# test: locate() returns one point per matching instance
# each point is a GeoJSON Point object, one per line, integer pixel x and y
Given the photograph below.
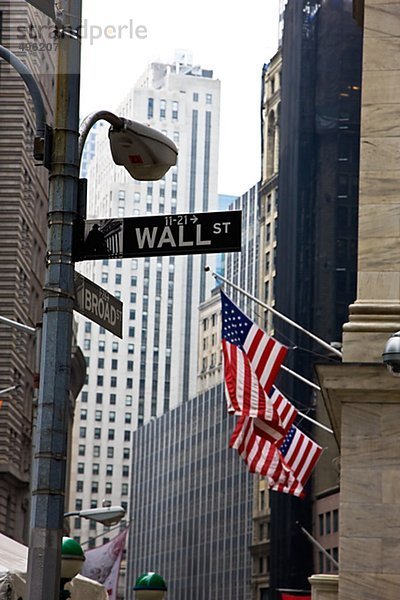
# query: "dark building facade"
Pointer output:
{"type": "Point", "coordinates": [316, 260]}
{"type": "Point", "coordinates": [191, 504]}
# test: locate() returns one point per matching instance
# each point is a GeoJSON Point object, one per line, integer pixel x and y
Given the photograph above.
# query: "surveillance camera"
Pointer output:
{"type": "Point", "coordinates": [391, 354]}
{"type": "Point", "coordinates": [146, 153]}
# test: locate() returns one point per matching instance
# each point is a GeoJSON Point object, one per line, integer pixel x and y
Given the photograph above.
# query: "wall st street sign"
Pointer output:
{"type": "Point", "coordinates": [190, 233]}
{"type": "Point", "coordinates": [97, 304]}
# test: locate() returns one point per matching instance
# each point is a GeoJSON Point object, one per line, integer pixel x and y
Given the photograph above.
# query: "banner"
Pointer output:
{"type": "Point", "coordinates": [102, 564]}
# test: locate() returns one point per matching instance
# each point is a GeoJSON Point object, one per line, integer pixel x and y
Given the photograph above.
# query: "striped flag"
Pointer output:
{"type": "Point", "coordinates": [260, 455]}
{"type": "Point", "coordinates": [286, 414]}
{"type": "Point", "coordinates": [244, 394]}
{"type": "Point", "coordinates": [264, 353]}
{"type": "Point", "coordinates": [300, 454]}
{"type": "Point", "coordinates": [287, 467]}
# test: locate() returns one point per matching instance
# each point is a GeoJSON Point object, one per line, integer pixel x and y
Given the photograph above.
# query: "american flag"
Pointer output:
{"type": "Point", "coordinates": [287, 467]}
{"type": "Point", "coordinates": [260, 455]}
{"type": "Point", "coordinates": [285, 413]}
{"type": "Point", "coordinates": [265, 354]}
{"type": "Point", "coordinates": [244, 394]}
{"type": "Point", "coordinates": [300, 455]}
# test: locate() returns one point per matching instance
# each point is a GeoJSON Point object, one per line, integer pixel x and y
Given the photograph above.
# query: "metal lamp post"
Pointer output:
{"type": "Point", "coordinates": [72, 559]}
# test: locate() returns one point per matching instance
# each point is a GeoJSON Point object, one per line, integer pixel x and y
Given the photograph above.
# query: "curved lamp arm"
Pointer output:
{"type": "Point", "coordinates": [90, 120]}
{"type": "Point", "coordinates": [33, 87]}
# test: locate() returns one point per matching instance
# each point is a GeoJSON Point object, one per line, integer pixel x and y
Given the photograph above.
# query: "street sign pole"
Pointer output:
{"type": "Point", "coordinates": [49, 462]}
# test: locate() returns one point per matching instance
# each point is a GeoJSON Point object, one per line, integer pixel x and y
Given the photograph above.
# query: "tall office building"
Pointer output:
{"type": "Point", "coordinates": [153, 369]}
{"type": "Point", "coordinates": [23, 229]}
{"type": "Point", "coordinates": [316, 253]}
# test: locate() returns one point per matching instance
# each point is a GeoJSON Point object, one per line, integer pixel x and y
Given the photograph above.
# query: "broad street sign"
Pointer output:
{"type": "Point", "coordinates": [98, 305]}
{"type": "Point", "coordinates": [160, 235]}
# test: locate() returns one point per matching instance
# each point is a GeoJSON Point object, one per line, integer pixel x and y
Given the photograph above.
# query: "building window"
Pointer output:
{"type": "Point", "coordinates": [110, 452]}
{"type": "Point", "coordinates": [96, 451]}
{"type": "Point", "coordinates": [115, 346]}
{"type": "Point", "coordinates": [99, 398]}
{"type": "Point", "coordinates": [111, 434]}
{"type": "Point", "coordinates": [163, 107]}
{"type": "Point", "coordinates": [88, 327]}
{"type": "Point", "coordinates": [128, 400]}
{"type": "Point", "coordinates": [131, 348]}
{"type": "Point", "coordinates": [104, 278]}
{"type": "Point", "coordinates": [102, 346]}
{"type": "Point", "coordinates": [195, 97]}
{"type": "Point", "coordinates": [131, 332]}
{"type": "Point", "coordinates": [328, 523]}
{"type": "Point", "coordinates": [78, 504]}
{"type": "Point", "coordinates": [114, 364]}
{"type": "Point", "coordinates": [113, 398]}
{"type": "Point", "coordinates": [81, 468]}
{"type": "Point", "coordinates": [108, 487]}
{"type": "Point", "coordinates": [129, 382]}
{"type": "Point", "coordinates": [95, 468]}
{"type": "Point", "coordinates": [127, 436]}
{"type": "Point", "coordinates": [126, 453]}
{"type": "Point", "coordinates": [125, 471]}
{"type": "Point", "coordinates": [100, 363]}
{"type": "Point", "coordinates": [79, 486]}
{"type": "Point", "coordinates": [335, 520]}
{"type": "Point", "coordinates": [95, 487]}
{"type": "Point", "coordinates": [118, 276]}
{"type": "Point", "coordinates": [86, 344]}
{"type": "Point", "coordinates": [83, 414]}
{"type": "Point", "coordinates": [124, 489]}
{"type": "Point", "coordinates": [84, 397]}
{"type": "Point", "coordinates": [133, 280]}
{"type": "Point", "coordinates": [133, 297]}
{"type": "Point", "coordinates": [132, 314]}
{"type": "Point", "coordinates": [81, 450]}
{"type": "Point", "coordinates": [97, 433]}
{"type": "Point", "coordinates": [100, 380]}
{"type": "Point", "coordinates": [82, 432]}
{"type": "Point", "coordinates": [129, 365]}
{"type": "Point", "coordinates": [113, 382]}
{"type": "Point", "coordinates": [208, 98]}
{"type": "Point", "coordinates": [109, 470]}
{"type": "Point", "coordinates": [175, 106]}
{"type": "Point", "coordinates": [128, 418]}
{"type": "Point", "coordinates": [150, 108]}
{"type": "Point", "coordinates": [111, 416]}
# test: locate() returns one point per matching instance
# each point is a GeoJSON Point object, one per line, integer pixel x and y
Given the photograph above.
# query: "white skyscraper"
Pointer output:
{"type": "Point", "coordinates": [154, 367]}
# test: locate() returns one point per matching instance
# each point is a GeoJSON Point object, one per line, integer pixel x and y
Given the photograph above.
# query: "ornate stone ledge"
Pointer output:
{"type": "Point", "coordinates": [324, 587]}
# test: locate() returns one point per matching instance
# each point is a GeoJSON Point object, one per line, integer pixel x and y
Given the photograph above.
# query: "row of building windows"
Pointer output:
{"type": "Point", "coordinates": [113, 381]}
{"type": "Point", "coordinates": [328, 522]}
{"type": "Point", "coordinates": [97, 451]}
{"type": "Point", "coordinates": [109, 468]}
{"type": "Point", "coordinates": [108, 488]}
{"type": "Point", "coordinates": [112, 398]}
{"type": "Point", "coordinates": [174, 106]}
{"type": "Point", "coordinates": [110, 434]}
{"type": "Point", "coordinates": [210, 321]}
{"type": "Point", "coordinates": [98, 416]}
{"type": "Point", "coordinates": [325, 564]}
{"type": "Point", "coordinates": [101, 346]}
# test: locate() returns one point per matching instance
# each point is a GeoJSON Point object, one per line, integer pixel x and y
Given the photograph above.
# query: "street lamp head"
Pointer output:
{"type": "Point", "coordinates": [108, 515]}
{"type": "Point", "coordinates": [72, 558]}
{"type": "Point", "coordinates": [146, 153]}
{"type": "Point", "coordinates": [391, 354]}
{"type": "Point", "coordinates": [150, 586]}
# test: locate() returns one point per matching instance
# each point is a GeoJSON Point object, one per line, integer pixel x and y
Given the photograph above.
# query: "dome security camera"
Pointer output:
{"type": "Point", "coordinates": [391, 354]}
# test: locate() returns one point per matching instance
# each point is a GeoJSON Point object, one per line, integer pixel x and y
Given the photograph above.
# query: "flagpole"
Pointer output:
{"type": "Point", "coordinates": [315, 422]}
{"type": "Point", "coordinates": [307, 381]}
{"type": "Point", "coordinates": [276, 313]}
{"type": "Point", "coordinates": [318, 545]}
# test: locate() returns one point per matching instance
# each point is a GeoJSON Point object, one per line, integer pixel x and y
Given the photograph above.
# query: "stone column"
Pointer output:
{"type": "Point", "coordinates": [324, 587]}
{"type": "Point", "coordinates": [363, 399]}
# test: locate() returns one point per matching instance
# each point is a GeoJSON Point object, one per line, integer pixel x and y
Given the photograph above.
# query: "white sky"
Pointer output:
{"type": "Point", "coordinates": [233, 38]}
